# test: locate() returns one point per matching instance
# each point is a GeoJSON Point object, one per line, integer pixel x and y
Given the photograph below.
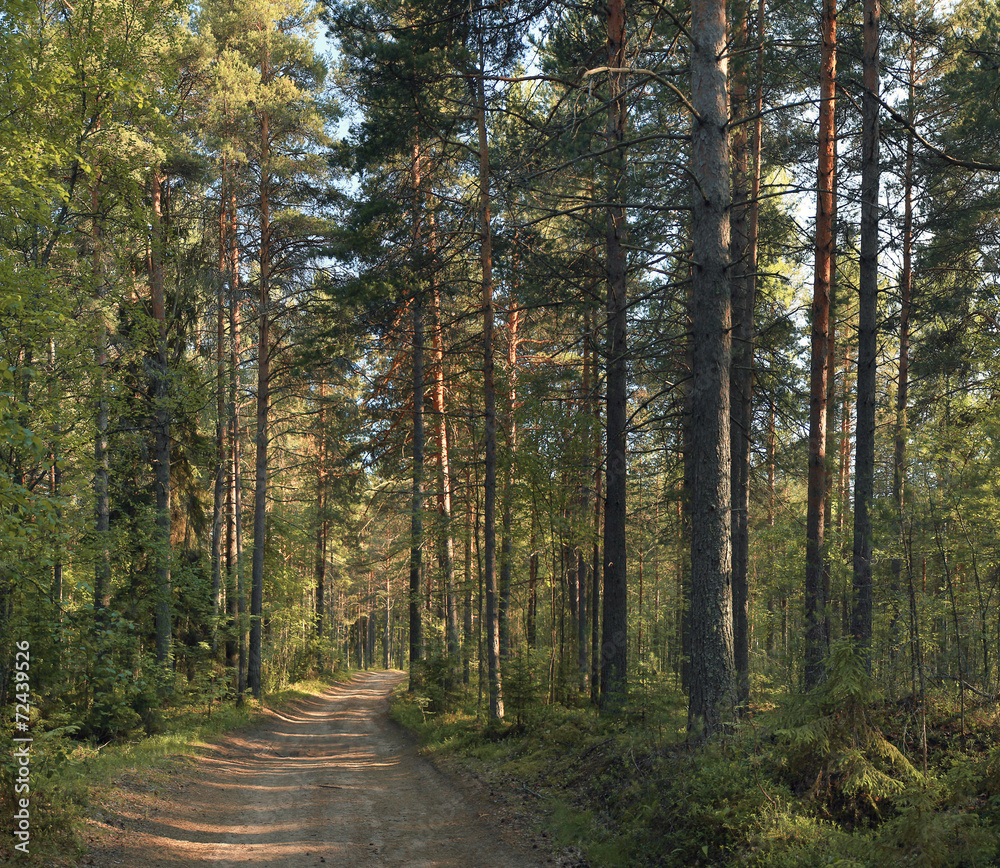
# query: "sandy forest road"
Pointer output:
{"type": "Point", "coordinates": [331, 781]}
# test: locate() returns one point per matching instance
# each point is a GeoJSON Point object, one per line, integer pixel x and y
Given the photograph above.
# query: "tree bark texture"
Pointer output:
{"type": "Point", "coordinates": [864, 456]}
{"type": "Point", "coordinates": [254, 659]}
{"type": "Point", "coordinates": [161, 428]}
{"type": "Point", "coordinates": [711, 696]}
{"type": "Point", "coordinates": [417, 498]}
{"type": "Point", "coordinates": [743, 247]}
{"type": "Point", "coordinates": [815, 601]}
{"type": "Point", "coordinates": [614, 645]}
{"type": "Point", "coordinates": [494, 677]}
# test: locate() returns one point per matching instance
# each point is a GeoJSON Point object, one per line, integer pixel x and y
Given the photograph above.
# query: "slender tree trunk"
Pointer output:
{"type": "Point", "coordinates": [490, 401]}
{"type": "Point", "coordinates": [322, 521]}
{"type": "Point", "coordinates": [614, 647]}
{"type": "Point", "coordinates": [864, 456]}
{"type": "Point", "coordinates": [583, 566]}
{"type": "Point", "coordinates": [161, 430]}
{"type": "Point", "coordinates": [596, 573]}
{"type": "Point", "coordinates": [254, 660]}
{"type": "Point", "coordinates": [220, 493]}
{"type": "Point", "coordinates": [815, 602]}
{"type": "Point", "coordinates": [238, 609]}
{"type": "Point", "coordinates": [510, 435]}
{"type": "Point", "coordinates": [743, 247]}
{"type": "Point", "coordinates": [417, 500]}
{"type": "Point", "coordinates": [906, 296]}
{"type": "Point", "coordinates": [444, 482]}
{"type": "Point", "coordinates": [467, 634]}
{"type": "Point", "coordinates": [712, 693]}
{"type": "Point", "coordinates": [102, 504]}
{"type": "Point", "coordinates": [55, 492]}
{"type": "Point", "coordinates": [532, 613]}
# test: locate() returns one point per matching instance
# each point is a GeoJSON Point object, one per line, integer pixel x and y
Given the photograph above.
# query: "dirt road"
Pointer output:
{"type": "Point", "coordinates": [330, 782]}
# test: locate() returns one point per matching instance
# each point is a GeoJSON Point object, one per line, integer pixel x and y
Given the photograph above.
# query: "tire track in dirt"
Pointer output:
{"type": "Point", "coordinates": [328, 781]}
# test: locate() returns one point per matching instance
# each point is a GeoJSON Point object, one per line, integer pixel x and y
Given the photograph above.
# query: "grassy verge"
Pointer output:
{"type": "Point", "coordinates": [71, 780]}
{"type": "Point", "coordinates": [808, 781]}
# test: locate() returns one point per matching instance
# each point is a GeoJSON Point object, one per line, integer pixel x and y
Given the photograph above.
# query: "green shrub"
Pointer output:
{"type": "Point", "coordinates": [835, 753]}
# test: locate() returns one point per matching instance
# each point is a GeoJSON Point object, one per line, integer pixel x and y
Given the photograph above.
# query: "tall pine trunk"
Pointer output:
{"type": "Point", "coordinates": [614, 646]}
{"type": "Point", "coordinates": [102, 504]}
{"type": "Point", "coordinates": [510, 435]}
{"type": "Point", "coordinates": [815, 601]}
{"type": "Point", "coordinates": [254, 659]}
{"type": "Point", "coordinates": [743, 280]}
{"type": "Point", "coordinates": [161, 430]}
{"type": "Point", "coordinates": [322, 521]}
{"type": "Point", "coordinates": [417, 490]}
{"type": "Point", "coordinates": [494, 677]}
{"type": "Point", "coordinates": [712, 685]}
{"type": "Point", "coordinates": [864, 456]}
{"type": "Point", "coordinates": [220, 494]}
{"type": "Point", "coordinates": [234, 534]}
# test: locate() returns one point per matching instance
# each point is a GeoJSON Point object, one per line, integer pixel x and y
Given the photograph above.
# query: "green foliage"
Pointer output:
{"type": "Point", "coordinates": [834, 752]}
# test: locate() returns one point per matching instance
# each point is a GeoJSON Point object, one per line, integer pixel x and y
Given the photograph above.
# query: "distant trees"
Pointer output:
{"type": "Point", "coordinates": [527, 350]}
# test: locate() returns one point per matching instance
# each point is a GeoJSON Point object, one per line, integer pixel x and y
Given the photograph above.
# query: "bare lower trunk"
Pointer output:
{"type": "Point", "coordinates": [815, 601]}
{"type": "Point", "coordinates": [417, 489]}
{"type": "Point", "coordinates": [864, 457]}
{"type": "Point", "coordinates": [614, 647]}
{"type": "Point", "coordinates": [255, 654]}
{"type": "Point", "coordinates": [494, 677]}
{"type": "Point", "coordinates": [510, 434]}
{"type": "Point", "coordinates": [712, 680]}
{"type": "Point", "coordinates": [445, 484]}
{"type": "Point", "coordinates": [161, 433]}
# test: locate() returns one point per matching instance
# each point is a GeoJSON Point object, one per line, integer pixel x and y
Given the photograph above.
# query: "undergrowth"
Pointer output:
{"type": "Point", "coordinates": [812, 781]}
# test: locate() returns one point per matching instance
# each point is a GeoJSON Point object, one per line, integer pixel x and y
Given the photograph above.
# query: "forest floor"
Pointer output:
{"type": "Point", "coordinates": [324, 780]}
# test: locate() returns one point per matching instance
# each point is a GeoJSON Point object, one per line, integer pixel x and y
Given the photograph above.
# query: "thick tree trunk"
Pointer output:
{"type": "Point", "coordinates": [815, 601]}
{"type": "Point", "coordinates": [864, 457]}
{"type": "Point", "coordinates": [712, 685]}
{"type": "Point", "coordinates": [614, 647]}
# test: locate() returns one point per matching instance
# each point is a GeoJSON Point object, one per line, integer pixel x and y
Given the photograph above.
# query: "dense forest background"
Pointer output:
{"type": "Point", "coordinates": [561, 354]}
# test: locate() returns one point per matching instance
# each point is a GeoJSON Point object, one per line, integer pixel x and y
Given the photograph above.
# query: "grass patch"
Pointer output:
{"type": "Point", "coordinates": [805, 782]}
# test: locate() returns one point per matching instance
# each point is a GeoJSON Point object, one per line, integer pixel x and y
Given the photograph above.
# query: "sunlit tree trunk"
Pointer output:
{"type": "Point", "coordinates": [444, 482]}
{"type": "Point", "coordinates": [712, 697]}
{"type": "Point", "coordinates": [815, 602]}
{"type": "Point", "coordinates": [417, 493]}
{"type": "Point", "coordinates": [490, 400]}
{"type": "Point", "coordinates": [254, 660]}
{"type": "Point", "coordinates": [510, 435]}
{"type": "Point", "coordinates": [864, 456]}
